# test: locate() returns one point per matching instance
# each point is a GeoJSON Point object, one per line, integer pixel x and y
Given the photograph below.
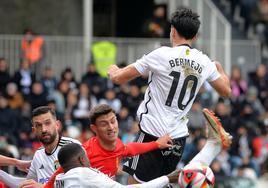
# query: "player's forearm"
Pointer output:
{"type": "Point", "coordinates": [135, 148]}
{"type": "Point", "coordinates": [9, 180]}
{"type": "Point", "coordinates": [4, 161]}
{"type": "Point", "coordinates": [122, 75]}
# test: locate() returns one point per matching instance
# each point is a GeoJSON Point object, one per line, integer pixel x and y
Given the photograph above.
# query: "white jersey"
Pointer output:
{"type": "Point", "coordinates": [175, 77]}
{"type": "Point", "coordinates": [84, 177]}
{"type": "Point", "coordinates": [43, 165]}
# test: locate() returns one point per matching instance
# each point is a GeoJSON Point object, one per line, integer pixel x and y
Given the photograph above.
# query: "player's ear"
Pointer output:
{"type": "Point", "coordinates": [82, 160]}
{"type": "Point", "coordinates": [172, 32]}
{"type": "Point", "coordinates": [33, 129]}
{"type": "Point", "coordinates": [93, 127]}
{"type": "Point", "coordinates": [58, 125]}
{"type": "Point", "coordinates": [195, 38]}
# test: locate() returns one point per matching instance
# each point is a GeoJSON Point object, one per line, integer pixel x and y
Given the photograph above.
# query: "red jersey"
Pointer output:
{"type": "Point", "coordinates": [107, 161]}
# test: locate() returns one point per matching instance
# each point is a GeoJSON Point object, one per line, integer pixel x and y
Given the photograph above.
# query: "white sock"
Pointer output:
{"type": "Point", "coordinates": [208, 153]}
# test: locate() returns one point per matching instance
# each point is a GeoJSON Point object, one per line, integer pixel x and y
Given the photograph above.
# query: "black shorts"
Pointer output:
{"type": "Point", "coordinates": [156, 163]}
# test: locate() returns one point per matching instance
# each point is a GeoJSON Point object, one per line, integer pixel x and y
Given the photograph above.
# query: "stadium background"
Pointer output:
{"type": "Point", "coordinates": [230, 32]}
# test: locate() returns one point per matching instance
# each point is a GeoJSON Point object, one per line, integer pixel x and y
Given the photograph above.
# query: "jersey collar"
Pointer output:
{"type": "Point", "coordinates": [185, 45]}
{"type": "Point", "coordinates": [54, 148]}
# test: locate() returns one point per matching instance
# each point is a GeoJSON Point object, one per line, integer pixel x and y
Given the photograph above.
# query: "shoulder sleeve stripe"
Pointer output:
{"type": "Point", "coordinates": [40, 148]}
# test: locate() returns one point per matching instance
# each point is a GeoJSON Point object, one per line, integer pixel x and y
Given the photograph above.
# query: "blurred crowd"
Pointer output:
{"type": "Point", "coordinates": [252, 17]}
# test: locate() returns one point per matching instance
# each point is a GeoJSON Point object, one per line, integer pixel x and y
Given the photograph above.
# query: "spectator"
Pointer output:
{"type": "Point", "coordinates": [95, 82]}
{"type": "Point", "coordinates": [14, 97]}
{"type": "Point", "coordinates": [125, 121]}
{"type": "Point", "coordinates": [38, 97]}
{"type": "Point", "coordinates": [263, 180]}
{"type": "Point", "coordinates": [260, 147]}
{"type": "Point", "coordinates": [85, 102]}
{"type": "Point", "coordinates": [4, 75]}
{"type": "Point", "coordinates": [196, 117]}
{"type": "Point", "coordinates": [49, 80]}
{"type": "Point", "coordinates": [25, 124]}
{"type": "Point", "coordinates": [259, 17]}
{"type": "Point", "coordinates": [104, 54]}
{"type": "Point", "coordinates": [217, 169]}
{"type": "Point", "coordinates": [32, 49]}
{"type": "Point", "coordinates": [133, 99]}
{"type": "Point", "coordinates": [206, 97]}
{"type": "Point", "coordinates": [24, 78]}
{"type": "Point", "coordinates": [246, 8]}
{"type": "Point", "coordinates": [111, 100]}
{"type": "Point", "coordinates": [68, 76]}
{"type": "Point", "coordinates": [157, 25]}
{"type": "Point", "coordinates": [8, 120]}
{"type": "Point", "coordinates": [222, 110]}
{"type": "Point", "coordinates": [238, 84]}
{"type": "Point", "coordinates": [259, 79]}
{"type": "Point", "coordinates": [70, 104]}
{"type": "Point", "coordinates": [241, 150]}
{"type": "Point", "coordinates": [58, 95]}
{"type": "Point", "coordinates": [63, 88]}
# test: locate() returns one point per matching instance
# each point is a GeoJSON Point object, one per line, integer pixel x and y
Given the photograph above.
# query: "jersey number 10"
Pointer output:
{"type": "Point", "coordinates": [174, 86]}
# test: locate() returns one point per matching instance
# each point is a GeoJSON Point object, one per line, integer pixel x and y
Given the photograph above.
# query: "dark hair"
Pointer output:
{"type": "Point", "coordinates": [43, 110]}
{"type": "Point", "coordinates": [98, 111]}
{"type": "Point", "coordinates": [68, 152]}
{"type": "Point", "coordinates": [186, 22]}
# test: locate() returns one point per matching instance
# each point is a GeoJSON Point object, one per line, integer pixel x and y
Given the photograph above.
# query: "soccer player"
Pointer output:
{"type": "Point", "coordinates": [175, 76]}
{"type": "Point", "coordinates": [105, 150]}
{"type": "Point", "coordinates": [78, 172]}
{"type": "Point", "coordinates": [20, 164]}
{"type": "Point", "coordinates": [45, 160]}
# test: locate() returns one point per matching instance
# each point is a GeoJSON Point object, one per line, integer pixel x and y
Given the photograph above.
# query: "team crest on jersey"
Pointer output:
{"type": "Point", "coordinates": [56, 164]}
{"type": "Point", "coordinates": [187, 52]}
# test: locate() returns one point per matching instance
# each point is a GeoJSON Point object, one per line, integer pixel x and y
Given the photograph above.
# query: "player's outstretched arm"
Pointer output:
{"type": "Point", "coordinates": [30, 184]}
{"type": "Point", "coordinates": [23, 165]}
{"type": "Point", "coordinates": [122, 75]}
{"type": "Point", "coordinates": [10, 180]}
{"type": "Point", "coordinates": [20, 164]}
{"type": "Point", "coordinates": [135, 148]}
{"type": "Point", "coordinates": [222, 84]}
{"type": "Point", "coordinates": [164, 142]}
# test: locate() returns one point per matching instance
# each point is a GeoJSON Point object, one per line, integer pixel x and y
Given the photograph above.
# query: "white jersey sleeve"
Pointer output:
{"type": "Point", "coordinates": [175, 76]}
{"type": "Point", "coordinates": [83, 177]}
{"type": "Point", "coordinates": [43, 164]}
{"type": "Point", "coordinates": [214, 74]}
{"type": "Point", "coordinates": [9, 180]}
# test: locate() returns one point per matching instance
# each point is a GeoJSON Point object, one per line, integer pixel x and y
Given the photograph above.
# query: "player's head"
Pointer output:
{"type": "Point", "coordinates": [104, 123]}
{"type": "Point", "coordinates": [45, 124]}
{"type": "Point", "coordinates": [185, 22]}
{"type": "Point", "coordinates": [72, 155]}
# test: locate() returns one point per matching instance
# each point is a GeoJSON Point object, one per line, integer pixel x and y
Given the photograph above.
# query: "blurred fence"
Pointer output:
{"type": "Point", "coordinates": [61, 52]}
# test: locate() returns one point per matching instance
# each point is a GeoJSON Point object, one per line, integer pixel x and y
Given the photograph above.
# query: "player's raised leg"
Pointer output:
{"type": "Point", "coordinates": [218, 139]}
{"type": "Point", "coordinates": [215, 129]}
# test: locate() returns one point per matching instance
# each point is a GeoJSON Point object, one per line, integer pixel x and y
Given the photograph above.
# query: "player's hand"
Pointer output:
{"type": "Point", "coordinates": [164, 142]}
{"type": "Point", "coordinates": [30, 184]}
{"type": "Point", "coordinates": [174, 176]}
{"type": "Point", "coordinates": [23, 165]}
{"type": "Point", "coordinates": [219, 66]}
{"type": "Point", "coordinates": [112, 69]}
